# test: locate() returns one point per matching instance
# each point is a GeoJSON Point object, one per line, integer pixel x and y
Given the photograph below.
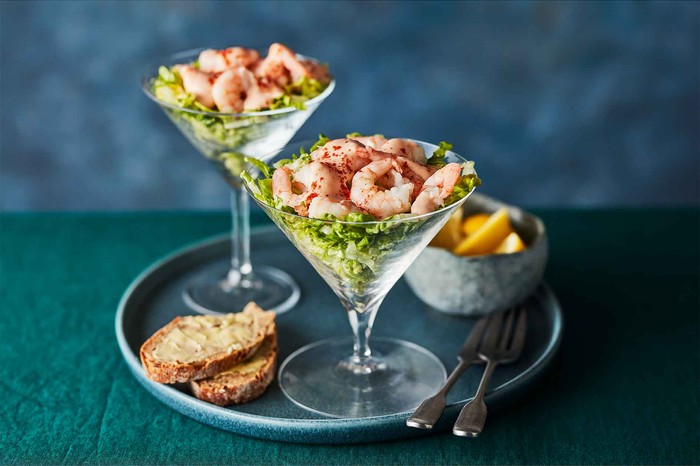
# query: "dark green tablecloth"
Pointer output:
{"type": "Point", "coordinates": [624, 389]}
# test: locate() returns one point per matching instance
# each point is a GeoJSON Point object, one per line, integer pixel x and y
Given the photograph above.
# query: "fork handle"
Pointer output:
{"type": "Point", "coordinates": [430, 410]}
{"type": "Point", "coordinates": [472, 418]}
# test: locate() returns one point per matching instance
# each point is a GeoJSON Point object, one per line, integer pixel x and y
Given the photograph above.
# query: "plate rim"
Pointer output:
{"type": "Point", "coordinates": [165, 393]}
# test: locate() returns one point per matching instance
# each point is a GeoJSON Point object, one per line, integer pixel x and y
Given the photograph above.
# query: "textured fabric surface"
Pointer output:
{"type": "Point", "coordinates": [623, 390]}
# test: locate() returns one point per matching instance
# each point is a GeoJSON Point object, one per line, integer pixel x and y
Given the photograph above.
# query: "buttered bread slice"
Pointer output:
{"type": "Point", "coordinates": [197, 347]}
{"type": "Point", "coordinates": [242, 383]}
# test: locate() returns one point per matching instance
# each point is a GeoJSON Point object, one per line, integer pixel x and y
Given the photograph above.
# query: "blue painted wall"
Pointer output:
{"type": "Point", "coordinates": [559, 103]}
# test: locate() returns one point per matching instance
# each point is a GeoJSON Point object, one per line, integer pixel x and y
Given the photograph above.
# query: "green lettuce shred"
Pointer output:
{"type": "Point", "coordinates": [438, 157]}
{"type": "Point", "coordinates": [303, 157]}
{"type": "Point", "coordinates": [297, 93]}
{"type": "Point", "coordinates": [264, 168]}
{"type": "Point", "coordinates": [464, 186]}
{"type": "Point", "coordinates": [360, 135]}
{"type": "Point", "coordinates": [322, 140]}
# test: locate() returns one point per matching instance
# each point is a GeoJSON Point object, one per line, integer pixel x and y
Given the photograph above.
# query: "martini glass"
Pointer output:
{"type": "Point", "coordinates": [226, 139]}
{"type": "Point", "coordinates": [344, 378]}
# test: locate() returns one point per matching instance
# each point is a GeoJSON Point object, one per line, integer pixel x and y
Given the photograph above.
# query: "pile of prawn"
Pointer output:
{"type": "Point", "coordinates": [368, 175]}
{"type": "Point", "coordinates": [237, 79]}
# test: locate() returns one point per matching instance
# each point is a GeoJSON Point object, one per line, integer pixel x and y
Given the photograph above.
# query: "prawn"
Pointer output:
{"type": "Point", "coordinates": [392, 179]}
{"type": "Point", "coordinates": [415, 172]}
{"type": "Point", "coordinates": [282, 184]}
{"type": "Point", "coordinates": [330, 205]}
{"type": "Point", "coordinates": [197, 83]}
{"type": "Point", "coordinates": [297, 189]}
{"type": "Point", "coordinates": [381, 203]}
{"type": "Point", "coordinates": [288, 190]}
{"type": "Point", "coordinates": [320, 179]}
{"type": "Point", "coordinates": [261, 95]}
{"type": "Point", "coordinates": [281, 66]}
{"type": "Point", "coordinates": [216, 61]}
{"type": "Point", "coordinates": [230, 89]}
{"type": "Point", "coordinates": [346, 156]}
{"type": "Point", "coordinates": [317, 71]}
{"type": "Point", "coordinates": [405, 148]}
{"type": "Point", "coordinates": [436, 189]}
{"type": "Point", "coordinates": [375, 142]}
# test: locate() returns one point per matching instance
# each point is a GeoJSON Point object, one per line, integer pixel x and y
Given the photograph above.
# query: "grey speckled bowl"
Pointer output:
{"type": "Point", "coordinates": [479, 285]}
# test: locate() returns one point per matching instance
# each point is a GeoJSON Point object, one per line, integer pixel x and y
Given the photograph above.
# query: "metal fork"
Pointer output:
{"type": "Point", "coordinates": [428, 413]}
{"type": "Point", "coordinates": [496, 348]}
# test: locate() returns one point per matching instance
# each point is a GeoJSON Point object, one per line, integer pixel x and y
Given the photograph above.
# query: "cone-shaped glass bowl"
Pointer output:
{"type": "Point", "coordinates": [360, 261]}
{"type": "Point", "coordinates": [225, 139]}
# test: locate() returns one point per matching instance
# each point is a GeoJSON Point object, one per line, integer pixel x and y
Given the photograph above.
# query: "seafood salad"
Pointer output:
{"type": "Point", "coordinates": [237, 79]}
{"type": "Point", "coordinates": [372, 176]}
{"type": "Point", "coordinates": [208, 93]}
{"type": "Point", "coordinates": [356, 194]}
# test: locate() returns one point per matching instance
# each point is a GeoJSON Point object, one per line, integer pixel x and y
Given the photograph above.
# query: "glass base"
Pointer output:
{"type": "Point", "coordinates": [321, 377]}
{"type": "Point", "coordinates": [272, 289]}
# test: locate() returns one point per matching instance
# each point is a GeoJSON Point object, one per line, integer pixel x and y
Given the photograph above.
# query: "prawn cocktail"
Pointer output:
{"type": "Point", "coordinates": [221, 94]}
{"type": "Point", "coordinates": [237, 79]}
{"type": "Point", "coordinates": [349, 201]}
{"type": "Point", "coordinates": [370, 176]}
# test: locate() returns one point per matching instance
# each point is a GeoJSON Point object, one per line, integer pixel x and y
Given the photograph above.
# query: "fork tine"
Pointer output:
{"type": "Point", "coordinates": [490, 341]}
{"type": "Point", "coordinates": [472, 343]}
{"type": "Point", "coordinates": [519, 339]}
{"type": "Point", "coordinates": [507, 329]}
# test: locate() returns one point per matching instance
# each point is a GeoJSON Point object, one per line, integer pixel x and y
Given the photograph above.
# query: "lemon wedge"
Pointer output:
{"type": "Point", "coordinates": [451, 234]}
{"type": "Point", "coordinates": [487, 237]}
{"type": "Point", "coordinates": [512, 243]}
{"type": "Point", "coordinates": [474, 222]}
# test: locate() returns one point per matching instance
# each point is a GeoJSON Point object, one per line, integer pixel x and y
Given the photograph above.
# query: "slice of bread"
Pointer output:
{"type": "Point", "coordinates": [197, 347]}
{"type": "Point", "coordinates": [243, 382]}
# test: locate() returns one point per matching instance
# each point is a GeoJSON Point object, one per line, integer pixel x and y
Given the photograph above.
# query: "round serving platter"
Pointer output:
{"type": "Point", "coordinates": [155, 298]}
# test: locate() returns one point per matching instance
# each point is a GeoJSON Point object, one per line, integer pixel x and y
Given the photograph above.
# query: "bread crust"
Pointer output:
{"type": "Point", "coordinates": [177, 371]}
{"type": "Point", "coordinates": [231, 388]}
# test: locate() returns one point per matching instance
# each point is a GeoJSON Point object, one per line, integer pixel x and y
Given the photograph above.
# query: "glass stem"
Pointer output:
{"type": "Point", "coordinates": [241, 270]}
{"type": "Point", "coordinates": [361, 320]}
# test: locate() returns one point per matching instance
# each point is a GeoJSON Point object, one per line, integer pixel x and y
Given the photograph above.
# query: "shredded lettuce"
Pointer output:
{"type": "Point", "coordinates": [353, 251]}
{"type": "Point", "coordinates": [233, 162]}
{"type": "Point", "coordinates": [322, 140]}
{"type": "Point", "coordinates": [297, 93]}
{"type": "Point", "coordinates": [438, 157]}
{"type": "Point", "coordinates": [264, 168]}
{"type": "Point", "coordinates": [464, 186]}
{"type": "Point", "coordinates": [360, 135]}
{"type": "Point", "coordinates": [356, 249]}
{"type": "Point", "coordinates": [303, 157]}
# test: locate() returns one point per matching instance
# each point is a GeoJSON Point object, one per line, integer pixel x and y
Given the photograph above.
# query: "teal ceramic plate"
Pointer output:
{"type": "Point", "coordinates": [154, 298]}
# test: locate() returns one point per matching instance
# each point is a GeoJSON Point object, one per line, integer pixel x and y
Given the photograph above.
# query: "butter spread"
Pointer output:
{"type": "Point", "coordinates": [253, 364]}
{"type": "Point", "coordinates": [198, 337]}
